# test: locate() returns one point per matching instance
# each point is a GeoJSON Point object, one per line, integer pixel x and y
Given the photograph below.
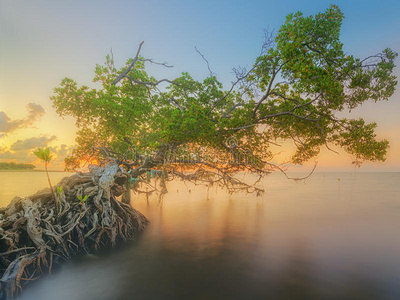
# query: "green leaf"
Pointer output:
{"type": "Point", "coordinates": [59, 189]}
{"type": "Point", "coordinates": [307, 55]}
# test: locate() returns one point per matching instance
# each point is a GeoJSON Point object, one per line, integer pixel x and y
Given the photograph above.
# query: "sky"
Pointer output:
{"type": "Point", "coordinates": [43, 41]}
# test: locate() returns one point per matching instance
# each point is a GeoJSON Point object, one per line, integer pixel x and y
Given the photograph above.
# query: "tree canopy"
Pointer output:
{"type": "Point", "coordinates": [294, 90]}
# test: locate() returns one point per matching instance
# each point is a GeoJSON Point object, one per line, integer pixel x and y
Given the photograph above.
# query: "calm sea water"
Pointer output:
{"type": "Point", "coordinates": [336, 236]}
{"type": "Point", "coordinates": [24, 184]}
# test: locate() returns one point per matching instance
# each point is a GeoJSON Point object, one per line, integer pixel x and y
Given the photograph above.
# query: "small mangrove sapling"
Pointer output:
{"type": "Point", "coordinates": [82, 200]}
{"type": "Point", "coordinates": [59, 194]}
{"type": "Point", "coordinates": [46, 157]}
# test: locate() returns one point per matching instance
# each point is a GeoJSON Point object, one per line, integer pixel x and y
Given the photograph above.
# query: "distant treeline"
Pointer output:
{"type": "Point", "coordinates": [15, 166]}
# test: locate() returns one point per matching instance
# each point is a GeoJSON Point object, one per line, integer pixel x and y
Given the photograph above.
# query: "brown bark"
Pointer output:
{"type": "Point", "coordinates": [34, 234]}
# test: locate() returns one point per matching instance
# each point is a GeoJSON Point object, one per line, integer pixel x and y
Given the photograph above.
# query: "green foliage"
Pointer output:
{"type": "Point", "coordinates": [59, 194]}
{"type": "Point", "coordinates": [16, 166]}
{"type": "Point", "coordinates": [366, 147]}
{"type": "Point", "coordinates": [59, 191]}
{"type": "Point", "coordinates": [82, 199]}
{"type": "Point", "coordinates": [43, 154]}
{"type": "Point", "coordinates": [293, 92]}
{"type": "Point", "coordinates": [46, 157]}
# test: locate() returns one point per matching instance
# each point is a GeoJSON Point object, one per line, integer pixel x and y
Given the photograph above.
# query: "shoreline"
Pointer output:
{"type": "Point", "coordinates": [50, 171]}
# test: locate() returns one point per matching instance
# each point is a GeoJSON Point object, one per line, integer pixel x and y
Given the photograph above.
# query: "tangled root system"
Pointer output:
{"type": "Point", "coordinates": [38, 231]}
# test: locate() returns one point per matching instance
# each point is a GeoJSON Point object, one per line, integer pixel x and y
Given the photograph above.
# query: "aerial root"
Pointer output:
{"type": "Point", "coordinates": [34, 235]}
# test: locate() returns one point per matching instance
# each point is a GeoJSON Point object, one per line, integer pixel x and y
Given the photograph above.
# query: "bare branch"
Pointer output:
{"type": "Point", "coordinates": [302, 178]}
{"type": "Point", "coordinates": [150, 83]}
{"type": "Point", "coordinates": [165, 64]}
{"type": "Point", "coordinates": [112, 59]}
{"type": "Point", "coordinates": [242, 127]}
{"type": "Point", "coordinates": [290, 112]}
{"type": "Point", "coordinates": [131, 66]}
{"type": "Point", "coordinates": [274, 73]}
{"type": "Point", "coordinates": [231, 109]}
{"type": "Point", "coordinates": [238, 79]}
{"type": "Point", "coordinates": [212, 74]}
{"type": "Point", "coordinates": [284, 97]}
{"type": "Point", "coordinates": [269, 41]}
{"type": "Point", "coordinates": [175, 103]}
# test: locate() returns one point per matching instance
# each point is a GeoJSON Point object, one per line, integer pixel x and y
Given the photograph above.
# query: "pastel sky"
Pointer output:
{"type": "Point", "coordinates": [43, 41]}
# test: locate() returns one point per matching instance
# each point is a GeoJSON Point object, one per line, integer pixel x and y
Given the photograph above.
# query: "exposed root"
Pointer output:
{"type": "Point", "coordinates": [34, 234]}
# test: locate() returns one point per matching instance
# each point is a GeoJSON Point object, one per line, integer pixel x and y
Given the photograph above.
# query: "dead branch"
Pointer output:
{"type": "Point", "coordinates": [131, 66]}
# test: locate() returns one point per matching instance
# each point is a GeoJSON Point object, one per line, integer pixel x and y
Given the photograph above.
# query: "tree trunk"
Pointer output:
{"type": "Point", "coordinates": [126, 197]}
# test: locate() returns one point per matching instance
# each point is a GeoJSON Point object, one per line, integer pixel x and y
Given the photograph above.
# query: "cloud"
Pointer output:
{"type": "Point", "coordinates": [5, 124]}
{"type": "Point", "coordinates": [21, 157]}
{"type": "Point", "coordinates": [62, 150]}
{"type": "Point", "coordinates": [5, 154]}
{"type": "Point", "coordinates": [32, 143]}
{"type": "Point", "coordinates": [22, 152]}
{"type": "Point", "coordinates": [35, 112]}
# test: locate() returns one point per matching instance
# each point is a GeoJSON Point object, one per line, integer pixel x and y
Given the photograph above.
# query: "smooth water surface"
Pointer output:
{"type": "Point", "coordinates": [23, 184]}
{"type": "Point", "coordinates": [336, 236]}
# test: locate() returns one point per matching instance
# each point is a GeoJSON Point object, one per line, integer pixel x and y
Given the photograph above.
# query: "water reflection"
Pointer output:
{"type": "Point", "coordinates": [299, 241]}
{"type": "Point", "coordinates": [23, 184]}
